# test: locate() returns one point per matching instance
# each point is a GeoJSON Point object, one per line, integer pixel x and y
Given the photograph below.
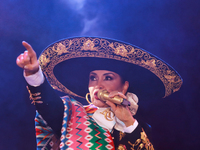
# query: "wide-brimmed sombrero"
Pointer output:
{"type": "Point", "coordinates": [68, 62]}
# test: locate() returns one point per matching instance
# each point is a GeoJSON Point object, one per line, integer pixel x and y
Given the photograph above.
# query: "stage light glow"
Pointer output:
{"type": "Point", "coordinates": [74, 4]}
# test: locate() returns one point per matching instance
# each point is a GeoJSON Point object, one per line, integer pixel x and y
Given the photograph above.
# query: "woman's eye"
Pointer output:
{"type": "Point", "coordinates": [93, 78]}
{"type": "Point", "coordinates": [108, 78]}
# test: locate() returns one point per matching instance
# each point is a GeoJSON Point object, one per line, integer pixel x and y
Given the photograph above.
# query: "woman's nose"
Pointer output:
{"type": "Point", "coordinates": [100, 85]}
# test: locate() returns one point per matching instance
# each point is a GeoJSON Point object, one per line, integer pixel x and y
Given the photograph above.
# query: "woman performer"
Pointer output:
{"type": "Point", "coordinates": [114, 69]}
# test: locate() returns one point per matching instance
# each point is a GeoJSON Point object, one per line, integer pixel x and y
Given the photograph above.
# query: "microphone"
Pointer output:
{"type": "Point", "coordinates": [103, 95]}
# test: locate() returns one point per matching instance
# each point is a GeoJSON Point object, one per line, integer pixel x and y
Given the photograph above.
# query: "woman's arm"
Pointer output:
{"type": "Point", "coordinates": [51, 107]}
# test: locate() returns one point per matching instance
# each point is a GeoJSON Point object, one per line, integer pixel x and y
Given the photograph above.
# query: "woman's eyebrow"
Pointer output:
{"type": "Point", "coordinates": [92, 73]}
{"type": "Point", "coordinates": [109, 74]}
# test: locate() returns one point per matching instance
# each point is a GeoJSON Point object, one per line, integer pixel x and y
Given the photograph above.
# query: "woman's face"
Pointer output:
{"type": "Point", "coordinates": [104, 80]}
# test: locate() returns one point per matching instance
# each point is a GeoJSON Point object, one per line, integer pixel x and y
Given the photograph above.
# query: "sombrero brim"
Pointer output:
{"type": "Point", "coordinates": [68, 62]}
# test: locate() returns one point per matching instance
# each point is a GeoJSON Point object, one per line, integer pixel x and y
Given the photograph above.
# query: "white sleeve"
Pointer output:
{"type": "Point", "coordinates": [131, 128]}
{"type": "Point", "coordinates": [36, 79]}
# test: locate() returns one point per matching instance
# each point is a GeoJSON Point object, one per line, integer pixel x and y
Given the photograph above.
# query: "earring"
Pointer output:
{"type": "Point", "coordinates": [86, 97]}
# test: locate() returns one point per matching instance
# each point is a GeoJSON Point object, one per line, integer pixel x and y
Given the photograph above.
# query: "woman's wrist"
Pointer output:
{"type": "Point", "coordinates": [131, 128]}
{"type": "Point", "coordinates": [129, 122]}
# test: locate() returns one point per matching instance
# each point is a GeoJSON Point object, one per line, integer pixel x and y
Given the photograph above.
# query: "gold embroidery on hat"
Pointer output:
{"type": "Point", "coordinates": [150, 63]}
{"type": "Point", "coordinates": [108, 114]}
{"type": "Point", "coordinates": [34, 97]}
{"type": "Point", "coordinates": [44, 59]}
{"type": "Point", "coordinates": [60, 48]}
{"type": "Point", "coordinates": [102, 48]}
{"type": "Point", "coordinates": [89, 45]}
{"type": "Point", "coordinates": [120, 49]}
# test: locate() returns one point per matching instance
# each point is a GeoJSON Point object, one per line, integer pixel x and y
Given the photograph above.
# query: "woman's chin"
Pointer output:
{"type": "Point", "coordinates": [99, 103]}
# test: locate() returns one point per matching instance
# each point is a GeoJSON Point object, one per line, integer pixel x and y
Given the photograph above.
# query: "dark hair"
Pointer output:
{"type": "Point", "coordinates": [139, 78]}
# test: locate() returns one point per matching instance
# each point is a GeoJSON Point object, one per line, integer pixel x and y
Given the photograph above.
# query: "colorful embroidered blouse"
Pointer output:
{"type": "Point", "coordinates": [79, 131]}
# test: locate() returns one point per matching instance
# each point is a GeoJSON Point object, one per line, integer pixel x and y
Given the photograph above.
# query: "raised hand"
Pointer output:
{"type": "Point", "coordinates": [28, 60]}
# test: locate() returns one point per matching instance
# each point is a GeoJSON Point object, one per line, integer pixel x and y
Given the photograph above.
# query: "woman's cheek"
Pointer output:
{"type": "Point", "coordinates": [92, 98]}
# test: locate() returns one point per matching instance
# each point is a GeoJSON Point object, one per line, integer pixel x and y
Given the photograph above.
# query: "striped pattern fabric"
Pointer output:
{"type": "Point", "coordinates": [44, 133]}
{"type": "Point", "coordinates": [79, 131]}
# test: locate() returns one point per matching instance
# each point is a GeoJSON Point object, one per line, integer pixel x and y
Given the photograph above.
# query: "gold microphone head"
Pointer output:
{"type": "Point", "coordinates": [104, 96]}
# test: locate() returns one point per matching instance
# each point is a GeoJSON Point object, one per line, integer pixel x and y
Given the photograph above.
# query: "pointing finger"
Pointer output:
{"type": "Point", "coordinates": [27, 46]}
{"type": "Point", "coordinates": [30, 50]}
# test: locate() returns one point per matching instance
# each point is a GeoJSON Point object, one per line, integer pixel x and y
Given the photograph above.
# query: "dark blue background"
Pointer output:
{"type": "Point", "coordinates": [166, 28]}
